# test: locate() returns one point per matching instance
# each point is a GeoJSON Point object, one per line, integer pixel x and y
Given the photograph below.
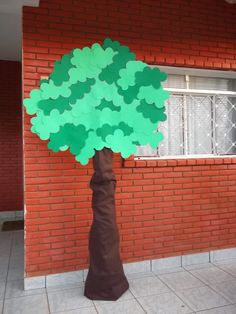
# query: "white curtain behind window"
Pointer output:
{"type": "Point", "coordinates": [172, 129]}
{"type": "Point", "coordinates": [197, 124]}
{"type": "Point", "coordinates": [199, 129]}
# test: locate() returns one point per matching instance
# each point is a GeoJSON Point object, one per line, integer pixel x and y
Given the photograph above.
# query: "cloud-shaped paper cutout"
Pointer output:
{"type": "Point", "coordinates": [118, 142]}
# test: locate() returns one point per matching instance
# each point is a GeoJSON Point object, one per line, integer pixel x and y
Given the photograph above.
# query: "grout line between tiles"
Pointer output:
{"type": "Point", "coordinates": [218, 266]}
{"type": "Point", "coordinates": [212, 288]}
{"type": "Point", "coordinates": [138, 301]}
{"type": "Point", "coordinates": [175, 293]}
{"type": "Point", "coordinates": [49, 311]}
{"type": "Point", "coordinates": [95, 306]}
{"type": "Point", "coordinates": [213, 308]}
{"type": "Point", "coordinates": [9, 258]}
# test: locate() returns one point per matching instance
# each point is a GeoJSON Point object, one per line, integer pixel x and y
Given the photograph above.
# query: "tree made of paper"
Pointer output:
{"type": "Point", "coordinates": [99, 97]}
{"type": "Point", "coordinates": [97, 101]}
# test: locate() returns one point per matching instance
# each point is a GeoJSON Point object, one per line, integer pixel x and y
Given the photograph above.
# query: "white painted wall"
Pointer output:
{"type": "Point", "coordinates": [11, 27]}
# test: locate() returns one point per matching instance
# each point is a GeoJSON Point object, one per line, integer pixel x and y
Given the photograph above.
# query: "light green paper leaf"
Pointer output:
{"type": "Point", "coordinates": [93, 142]}
{"type": "Point", "coordinates": [152, 95]}
{"type": "Point", "coordinates": [50, 90]}
{"type": "Point", "coordinates": [31, 104]}
{"type": "Point", "coordinates": [128, 75]}
{"type": "Point", "coordinates": [118, 142]}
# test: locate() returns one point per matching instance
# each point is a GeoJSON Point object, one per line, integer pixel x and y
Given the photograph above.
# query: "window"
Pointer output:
{"type": "Point", "coordinates": [201, 116]}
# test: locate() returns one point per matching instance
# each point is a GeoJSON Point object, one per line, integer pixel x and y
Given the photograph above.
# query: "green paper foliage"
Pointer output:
{"type": "Point", "coordinates": [96, 97]}
{"type": "Point", "coordinates": [70, 136]}
{"type": "Point", "coordinates": [151, 111]}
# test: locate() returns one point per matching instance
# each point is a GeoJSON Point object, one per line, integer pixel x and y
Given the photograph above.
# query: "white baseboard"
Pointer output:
{"type": "Point", "coordinates": [130, 268]}
{"type": "Point", "coordinates": [11, 214]}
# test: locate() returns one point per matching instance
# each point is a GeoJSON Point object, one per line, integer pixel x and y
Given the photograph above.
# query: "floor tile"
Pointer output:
{"type": "Point", "coordinates": [166, 262]}
{"type": "Point", "coordinates": [18, 237]}
{"type": "Point", "coordinates": [35, 282]}
{"type": "Point", "coordinates": [68, 299]}
{"type": "Point", "coordinates": [33, 304]}
{"type": "Point", "coordinates": [168, 270]}
{"type": "Point", "coordinates": [3, 277]}
{"type": "Point", "coordinates": [211, 275]}
{"type": "Point", "coordinates": [225, 261]}
{"type": "Point", "coordinates": [198, 266]}
{"type": "Point", "coordinates": [137, 267]}
{"type": "Point", "coordinates": [17, 254]}
{"type": "Point", "coordinates": [228, 309]}
{"type": "Point", "coordinates": [152, 290]}
{"type": "Point", "coordinates": [2, 289]}
{"type": "Point", "coordinates": [5, 243]}
{"type": "Point", "coordinates": [202, 298]}
{"type": "Point", "coordinates": [16, 261]}
{"type": "Point", "coordinates": [85, 310]}
{"type": "Point", "coordinates": [147, 286]}
{"type": "Point", "coordinates": [17, 250]}
{"type": "Point", "coordinates": [3, 272]}
{"type": "Point", "coordinates": [5, 249]}
{"type": "Point", "coordinates": [5, 240]}
{"type": "Point", "coordinates": [1, 306]}
{"type": "Point", "coordinates": [4, 261]}
{"type": "Point", "coordinates": [166, 303]}
{"type": "Point", "coordinates": [140, 275]}
{"type": "Point", "coordinates": [15, 288]}
{"type": "Point", "coordinates": [123, 307]}
{"type": "Point", "coordinates": [223, 254]}
{"type": "Point", "coordinates": [15, 273]}
{"type": "Point", "coordinates": [195, 258]}
{"type": "Point", "coordinates": [5, 236]}
{"type": "Point", "coordinates": [181, 280]}
{"type": "Point", "coordinates": [72, 277]}
{"type": "Point", "coordinates": [65, 286]}
{"type": "Point", "coordinates": [227, 289]}
{"type": "Point", "coordinates": [229, 267]}
{"type": "Point", "coordinates": [126, 296]}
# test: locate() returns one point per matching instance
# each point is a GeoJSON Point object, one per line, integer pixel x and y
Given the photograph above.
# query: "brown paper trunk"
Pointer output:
{"type": "Point", "coordinates": [106, 279]}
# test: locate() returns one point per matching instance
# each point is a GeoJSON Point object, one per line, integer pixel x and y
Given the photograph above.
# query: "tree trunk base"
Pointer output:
{"type": "Point", "coordinates": [108, 288]}
{"type": "Point", "coordinates": [106, 279]}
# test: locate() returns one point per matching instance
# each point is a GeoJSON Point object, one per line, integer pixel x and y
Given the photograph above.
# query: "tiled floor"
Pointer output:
{"type": "Point", "coordinates": [205, 288]}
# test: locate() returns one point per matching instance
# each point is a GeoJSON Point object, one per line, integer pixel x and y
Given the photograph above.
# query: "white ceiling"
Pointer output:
{"type": "Point", "coordinates": [11, 28]}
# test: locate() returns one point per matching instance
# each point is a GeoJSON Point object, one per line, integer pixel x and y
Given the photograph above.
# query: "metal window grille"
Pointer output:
{"type": "Point", "coordinates": [200, 122]}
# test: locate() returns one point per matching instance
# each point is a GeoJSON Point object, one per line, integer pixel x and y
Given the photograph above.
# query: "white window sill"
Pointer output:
{"type": "Point", "coordinates": [183, 157]}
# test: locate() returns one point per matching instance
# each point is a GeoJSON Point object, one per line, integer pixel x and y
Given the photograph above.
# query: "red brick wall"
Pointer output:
{"type": "Point", "coordinates": [11, 164]}
{"type": "Point", "coordinates": [164, 208]}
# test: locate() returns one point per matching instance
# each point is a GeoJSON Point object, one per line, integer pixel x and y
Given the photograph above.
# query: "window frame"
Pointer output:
{"type": "Point", "coordinates": [186, 72]}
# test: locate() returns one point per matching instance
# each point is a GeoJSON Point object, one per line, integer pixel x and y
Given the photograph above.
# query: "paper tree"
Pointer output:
{"type": "Point", "coordinates": [97, 101]}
